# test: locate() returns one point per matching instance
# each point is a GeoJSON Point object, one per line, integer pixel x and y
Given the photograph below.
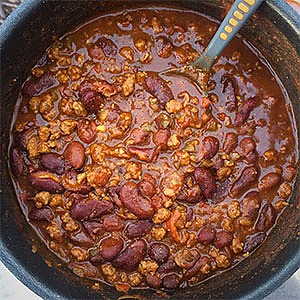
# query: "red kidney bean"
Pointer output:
{"type": "Point", "coordinates": [91, 100]}
{"type": "Point", "coordinates": [90, 209]}
{"type": "Point", "coordinates": [247, 146]}
{"type": "Point", "coordinates": [230, 142]}
{"type": "Point", "coordinates": [138, 229]}
{"type": "Point", "coordinates": [17, 163]}
{"type": "Point", "coordinates": [69, 182]}
{"type": "Point", "coordinates": [266, 218]}
{"type": "Point", "coordinates": [186, 258]}
{"type": "Point", "coordinates": [159, 252]}
{"type": "Point", "coordinates": [139, 136]}
{"type": "Point", "coordinates": [269, 181]}
{"type": "Point", "coordinates": [113, 223]}
{"type": "Point", "coordinates": [164, 47]}
{"type": "Point", "coordinates": [131, 256]}
{"type": "Point", "coordinates": [52, 162]}
{"type": "Point", "coordinates": [45, 181]}
{"type": "Point", "coordinates": [35, 85]}
{"type": "Point", "coordinates": [247, 178]}
{"type": "Point", "coordinates": [97, 260]}
{"type": "Point", "coordinates": [196, 268]}
{"type": "Point", "coordinates": [24, 136]}
{"type": "Point", "coordinates": [253, 241]}
{"type": "Point", "coordinates": [228, 92]}
{"type": "Point", "coordinates": [209, 147]}
{"type": "Point", "coordinates": [41, 214]}
{"type": "Point", "coordinates": [190, 194]}
{"type": "Point", "coordinates": [159, 89]}
{"type": "Point", "coordinates": [75, 154]}
{"type": "Point", "coordinates": [110, 247]}
{"type": "Point", "coordinates": [94, 228]}
{"type": "Point", "coordinates": [96, 52]}
{"type": "Point", "coordinates": [223, 238]}
{"type": "Point", "coordinates": [81, 238]}
{"type": "Point", "coordinates": [150, 179]}
{"type": "Point", "coordinates": [144, 154]}
{"type": "Point", "coordinates": [135, 203]}
{"type": "Point", "coordinates": [146, 188]}
{"type": "Point", "coordinates": [251, 205]}
{"type": "Point", "coordinates": [171, 282]}
{"type": "Point", "coordinates": [153, 281]}
{"type": "Point", "coordinates": [167, 267]}
{"type": "Point", "coordinates": [244, 111]}
{"type": "Point", "coordinates": [206, 182]}
{"type": "Point", "coordinates": [108, 46]}
{"type": "Point", "coordinates": [206, 235]}
{"type": "Point", "coordinates": [161, 137]}
{"type": "Point", "coordinates": [86, 130]}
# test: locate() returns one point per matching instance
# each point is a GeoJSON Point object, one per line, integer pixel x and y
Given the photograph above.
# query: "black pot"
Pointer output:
{"type": "Point", "coordinates": [24, 36]}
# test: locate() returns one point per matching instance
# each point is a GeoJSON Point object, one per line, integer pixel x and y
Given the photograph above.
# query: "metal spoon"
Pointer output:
{"type": "Point", "coordinates": [198, 71]}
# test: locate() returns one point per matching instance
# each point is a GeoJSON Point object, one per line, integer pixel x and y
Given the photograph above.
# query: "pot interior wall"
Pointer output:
{"type": "Point", "coordinates": [26, 42]}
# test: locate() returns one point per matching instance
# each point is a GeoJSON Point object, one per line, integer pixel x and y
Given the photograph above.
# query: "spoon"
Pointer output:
{"type": "Point", "coordinates": [198, 71]}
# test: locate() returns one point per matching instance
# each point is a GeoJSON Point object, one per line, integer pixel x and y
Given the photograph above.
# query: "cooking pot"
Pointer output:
{"type": "Point", "coordinates": [24, 36]}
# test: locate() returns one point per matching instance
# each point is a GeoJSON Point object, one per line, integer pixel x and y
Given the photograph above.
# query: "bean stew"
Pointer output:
{"type": "Point", "coordinates": [133, 178]}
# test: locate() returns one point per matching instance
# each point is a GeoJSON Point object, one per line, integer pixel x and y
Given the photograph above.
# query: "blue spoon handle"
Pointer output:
{"type": "Point", "coordinates": [239, 13]}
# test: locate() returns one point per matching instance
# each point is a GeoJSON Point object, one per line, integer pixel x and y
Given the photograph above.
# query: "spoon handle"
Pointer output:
{"type": "Point", "coordinates": [239, 13]}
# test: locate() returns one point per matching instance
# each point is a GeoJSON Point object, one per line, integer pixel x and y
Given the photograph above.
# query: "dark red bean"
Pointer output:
{"type": "Point", "coordinates": [206, 182]}
{"type": "Point", "coordinates": [45, 181]}
{"type": "Point", "coordinates": [209, 147]}
{"type": "Point", "coordinates": [17, 163]}
{"type": "Point", "coordinates": [110, 247]}
{"type": "Point", "coordinates": [86, 130]}
{"type": "Point", "coordinates": [108, 46]}
{"type": "Point", "coordinates": [250, 205]}
{"type": "Point", "coordinates": [96, 52]}
{"type": "Point", "coordinates": [41, 214]}
{"type": "Point", "coordinates": [253, 241]}
{"type": "Point", "coordinates": [248, 178]}
{"type": "Point", "coordinates": [75, 154]}
{"type": "Point", "coordinates": [144, 154]}
{"type": "Point", "coordinates": [168, 267]}
{"type": "Point", "coordinates": [22, 138]}
{"type": "Point", "coordinates": [230, 142]}
{"type": "Point", "coordinates": [206, 235]}
{"type": "Point", "coordinates": [244, 111]}
{"type": "Point", "coordinates": [91, 100]}
{"type": "Point", "coordinates": [69, 182]}
{"type": "Point", "coordinates": [223, 238]}
{"type": "Point", "coordinates": [52, 162]}
{"type": "Point", "coordinates": [159, 252]}
{"type": "Point", "coordinates": [135, 203]}
{"type": "Point", "coordinates": [269, 181]}
{"type": "Point", "coordinates": [138, 229]}
{"type": "Point", "coordinates": [130, 257]}
{"type": "Point", "coordinates": [113, 223]}
{"type": "Point", "coordinates": [94, 228]}
{"type": "Point", "coordinates": [81, 238]}
{"type": "Point", "coordinates": [161, 137]}
{"type": "Point", "coordinates": [159, 89]}
{"type": "Point", "coordinates": [164, 47]}
{"type": "Point", "coordinates": [97, 260]}
{"type": "Point", "coordinates": [247, 146]}
{"type": "Point", "coordinates": [266, 218]}
{"type": "Point", "coordinates": [186, 258]}
{"type": "Point", "coordinates": [153, 281]}
{"type": "Point", "coordinates": [146, 188]}
{"type": "Point", "coordinates": [196, 268]}
{"type": "Point", "coordinates": [190, 194]}
{"type": "Point", "coordinates": [228, 91]}
{"type": "Point", "coordinates": [139, 136]}
{"type": "Point", "coordinates": [171, 282]}
{"type": "Point", "coordinates": [90, 209]}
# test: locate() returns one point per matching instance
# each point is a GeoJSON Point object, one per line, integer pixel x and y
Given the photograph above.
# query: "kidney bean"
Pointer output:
{"type": "Point", "coordinates": [144, 154]}
{"type": "Point", "coordinates": [196, 268]}
{"type": "Point", "coordinates": [86, 130]}
{"type": "Point", "coordinates": [223, 238]}
{"type": "Point", "coordinates": [131, 256]}
{"type": "Point", "coordinates": [251, 205]}
{"type": "Point", "coordinates": [90, 209]}
{"type": "Point", "coordinates": [229, 93]}
{"type": "Point", "coordinates": [75, 154]}
{"type": "Point", "coordinates": [69, 182]}
{"type": "Point", "coordinates": [108, 46]}
{"type": "Point", "coordinates": [186, 258]}
{"type": "Point", "coordinates": [159, 252]}
{"type": "Point", "coordinates": [17, 163]}
{"type": "Point", "coordinates": [24, 136]}
{"type": "Point", "coordinates": [146, 188]}
{"type": "Point", "coordinates": [41, 214]}
{"type": "Point", "coordinates": [244, 111]}
{"type": "Point", "coordinates": [110, 247]}
{"type": "Point", "coordinates": [36, 85]}
{"type": "Point", "coordinates": [161, 137]}
{"type": "Point", "coordinates": [247, 146]}
{"type": "Point", "coordinates": [91, 100]}
{"type": "Point", "coordinates": [164, 47]}
{"type": "Point", "coordinates": [96, 52]}
{"type": "Point", "coordinates": [81, 238]}
{"type": "Point", "coordinates": [266, 218]}
{"type": "Point", "coordinates": [135, 203]}
{"type": "Point", "coordinates": [45, 181]}
{"type": "Point", "coordinates": [171, 282]}
{"type": "Point", "coordinates": [94, 228]}
{"type": "Point", "coordinates": [206, 182]}
{"type": "Point", "coordinates": [190, 194]}
{"type": "Point", "coordinates": [209, 147]}
{"type": "Point", "coordinates": [138, 229]}
{"type": "Point", "coordinates": [168, 267]}
{"type": "Point", "coordinates": [253, 241]}
{"type": "Point", "coordinates": [230, 142]}
{"type": "Point", "coordinates": [247, 178]}
{"type": "Point", "coordinates": [139, 136]}
{"type": "Point", "coordinates": [113, 223]}
{"type": "Point", "coordinates": [206, 235]}
{"type": "Point", "coordinates": [97, 260]}
{"type": "Point", "coordinates": [153, 281]}
{"type": "Point", "coordinates": [269, 181]}
{"type": "Point", "coordinates": [52, 162]}
{"type": "Point", "coordinates": [159, 89]}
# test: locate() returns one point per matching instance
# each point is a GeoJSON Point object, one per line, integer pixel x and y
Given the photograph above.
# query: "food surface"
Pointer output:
{"type": "Point", "coordinates": [134, 178]}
